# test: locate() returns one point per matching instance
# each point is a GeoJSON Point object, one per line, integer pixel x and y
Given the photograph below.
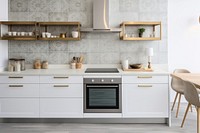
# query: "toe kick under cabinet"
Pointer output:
{"type": "Point", "coordinates": [145, 96]}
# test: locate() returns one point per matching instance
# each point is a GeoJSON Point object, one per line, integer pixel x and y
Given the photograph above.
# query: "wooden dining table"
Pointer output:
{"type": "Point", "coordinates": [191, 77]}
{"type": "Point", "coordinates": [195, 79]}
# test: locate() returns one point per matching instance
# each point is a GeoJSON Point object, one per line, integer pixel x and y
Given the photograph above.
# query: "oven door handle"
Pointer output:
{"type": "Point", "coordinates": [102, 86]}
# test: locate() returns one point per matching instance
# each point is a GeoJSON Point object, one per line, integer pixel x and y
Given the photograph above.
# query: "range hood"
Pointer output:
{"type": "Point", "coordinates": [101, 18]}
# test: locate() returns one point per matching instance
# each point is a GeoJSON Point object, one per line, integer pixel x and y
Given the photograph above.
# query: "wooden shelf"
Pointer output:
{"type": "Point", "coordinates": [59, 23]}
{"type": "Point", "coordinates": [18, 22]}
{"type": "Point", "coordinates": [60, 39]}
{"type": "Point", "coordinates": [10, 26]}
{"type": "Point", "coordinates": [141, 24]}
{"type": "Point", "coordinates": [141, 38]}
{"type": "Point", "coordinates": [19, 38]}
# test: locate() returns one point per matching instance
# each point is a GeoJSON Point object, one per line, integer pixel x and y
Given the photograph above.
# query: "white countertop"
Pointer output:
{"type": "Point", "coordinates": [65, 70]}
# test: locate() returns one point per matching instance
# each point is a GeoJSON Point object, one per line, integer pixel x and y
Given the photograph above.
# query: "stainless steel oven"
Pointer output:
{"type": "Point", "coordinates": [102, 95]}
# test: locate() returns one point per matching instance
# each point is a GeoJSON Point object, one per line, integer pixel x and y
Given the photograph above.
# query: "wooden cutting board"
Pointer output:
{"type": "Point", "coordinates": [139, 70]}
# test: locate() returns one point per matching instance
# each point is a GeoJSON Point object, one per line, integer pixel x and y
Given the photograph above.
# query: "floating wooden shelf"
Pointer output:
{"type": "Point", "coordinates": [60, 39]}
{"type": "Point", "coordinates": [46, 26]}
{"type": "Point", "coordinates": [19, 38]}
{"type": "Point", "coordinates": [140, 24]}
{"type": "Point", "coordinates": [60, 23]}
{"type": "Point", "coordinates": [140, 38]}
{"type": "Point", "coordinates": [7, 26]}
{"type": "Point", "coordinates": [18, 22]}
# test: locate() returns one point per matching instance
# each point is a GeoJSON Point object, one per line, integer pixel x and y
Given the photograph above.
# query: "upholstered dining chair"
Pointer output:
{"type": "Point", "coordinates": [177, 86]}
{"type": "Point", "coordinates": [192, 96]}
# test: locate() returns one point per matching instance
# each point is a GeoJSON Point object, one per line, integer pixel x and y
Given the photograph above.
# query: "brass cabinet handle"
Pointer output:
{"type": "Point", "coordinates": [144, 76]}
{"type": "Point", "coordinates": [60, 77]}
{"type": "Point", "coordinates": [15, 77]}
{"type": "Point", "coordinates": [61, 86]}
{"type": "Point", "coordinates": [15, 85]}
{"type": "Point", "coordinates": [145, 85]}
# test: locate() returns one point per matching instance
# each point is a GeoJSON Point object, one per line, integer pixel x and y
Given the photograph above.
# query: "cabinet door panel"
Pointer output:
{"type": "Point", "coordinates": [61, 90]}
{"type": "Point", "coordinates": [19, 90]}
{"type": "Point", "coordinates": [61, 108]}
{"type": "Point", "coordinates": [61, 79]}
{"type": "Point", "coordinates": [19, 108]}
{"type": "Point", "coordinates": [145, 100]}
{"type": "Point", "coordinates": [145, 79]}
{"type": "Point", "coordinates": [19, 79]}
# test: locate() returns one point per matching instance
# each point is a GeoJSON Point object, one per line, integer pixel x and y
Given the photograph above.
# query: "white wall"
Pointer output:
{"type": "Point", "coordinates": [3, 44]}
{"type": "Point", "coordinates": [184, 35]}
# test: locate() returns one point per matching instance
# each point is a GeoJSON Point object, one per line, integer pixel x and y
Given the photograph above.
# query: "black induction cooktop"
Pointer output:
{"type": "Point", "coordinates": [101, 70]}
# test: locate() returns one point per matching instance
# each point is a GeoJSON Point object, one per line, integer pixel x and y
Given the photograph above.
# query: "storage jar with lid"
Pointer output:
{"type": "Point", "coordinates": [22, 63]}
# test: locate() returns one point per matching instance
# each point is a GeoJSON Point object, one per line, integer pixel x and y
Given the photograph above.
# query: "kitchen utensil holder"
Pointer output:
{"type": "Point", "coordinates": [78, 65]}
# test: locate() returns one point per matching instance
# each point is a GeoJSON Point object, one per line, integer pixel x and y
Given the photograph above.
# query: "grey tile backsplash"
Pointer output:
{"type": "Point", "coordinates": [97, 48]}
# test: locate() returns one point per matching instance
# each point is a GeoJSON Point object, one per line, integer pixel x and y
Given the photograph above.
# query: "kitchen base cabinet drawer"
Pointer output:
{"type": "Point", "coordinates": [145, 101]}
{"type": "Point", "coordinates": [19, 90]}
{"type": "Point", "coordinates": [61, 108]}
{"type": "Point", "coordinates": [19, 79]}
{"type": "Point", "coordinates": [19, 108]}
{"type": "Point", "coordinates": [61, 79]}
{"type": "Point", "coordinates": [61, 90]}
{"type": "Point", "coordinates": [145, 79]}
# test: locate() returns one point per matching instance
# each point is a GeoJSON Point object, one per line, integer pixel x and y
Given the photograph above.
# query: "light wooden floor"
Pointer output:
{"type": "Point", "coordinates": [189, 127]}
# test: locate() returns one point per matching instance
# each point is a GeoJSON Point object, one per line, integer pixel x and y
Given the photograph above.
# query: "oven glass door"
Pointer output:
{"type": "Point", "coordinates": [102, 96]}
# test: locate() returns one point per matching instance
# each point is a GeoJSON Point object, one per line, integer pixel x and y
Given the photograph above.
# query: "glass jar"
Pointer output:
{"type": "Point", "coordinates": [17, 65]}
{"type": "Point", "coordinates": [22, 62]}
{"type": "Point", "coordinates": [37, 64]}
{"type": "Point", "coordinates": [45, 65]}
{"type": "Point", "coordinates": [11, 64]}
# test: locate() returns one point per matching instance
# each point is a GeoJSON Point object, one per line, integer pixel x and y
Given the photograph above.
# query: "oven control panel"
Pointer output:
{"type": "Point", "coordinates": [103, 80]}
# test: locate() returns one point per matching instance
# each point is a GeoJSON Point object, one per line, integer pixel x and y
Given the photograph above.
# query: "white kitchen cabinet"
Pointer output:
{"type": "Point", "coordinates": [61, 107]}
{"type": "Point", "coordinates": [19, 107]}
{"type": "Point", "coordinates": [147, 99]}
{"type": "Point", "coordinates": [19, 79]}
{"type": "Point", "coordinates": [19, 96]}
{"type": "Point", "coordinates": [145, 79]}
{"type": "Point", "coordinates": [61, 90]}
{"type": "Point", "coordinates": [61, 97]}
{"type": "Point", "coordinates": [62, 79]}
{"type": "Point", "coordinates": [19, 90]}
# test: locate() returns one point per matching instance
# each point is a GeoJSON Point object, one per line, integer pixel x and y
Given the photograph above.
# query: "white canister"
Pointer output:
{"type": "Point", "coordinates": [73, 65]}
{"type": "Point", "coordinates": [125, 64]}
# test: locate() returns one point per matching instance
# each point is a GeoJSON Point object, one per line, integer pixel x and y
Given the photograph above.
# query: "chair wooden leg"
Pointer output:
{"type": "Point", "coordinates": [191, 108]}
{"type": "Point", "coordinates": [186, 111]}
{"type": "Point", "coordinates": [174, 101]}
{"type": "Point", "coordinates": [179, 101]}
{"type": "Point", "coordinates": [198, 120]}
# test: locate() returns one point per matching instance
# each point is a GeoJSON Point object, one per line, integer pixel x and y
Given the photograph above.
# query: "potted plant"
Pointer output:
{"type": "Point", "coordinates": [141, 31]}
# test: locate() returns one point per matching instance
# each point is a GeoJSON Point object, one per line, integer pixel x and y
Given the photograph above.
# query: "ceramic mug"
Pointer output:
{"type": "Point", "coordinates": [14, 33]}
{"type": "Point", "coordinates": [22, 33]}
{"type": "Point", "coordinates": [10, 33]}
{"type": "Point", "coordinates": [43, 35]}
{"type": "Point", "coordinates": [75, 34]}
{"type": "Point", "coordinates": [18, 33]}
{"type": "Point", "coordinates": [48, 35]}
{"type": "Point", "coordinates": [30, 33]}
